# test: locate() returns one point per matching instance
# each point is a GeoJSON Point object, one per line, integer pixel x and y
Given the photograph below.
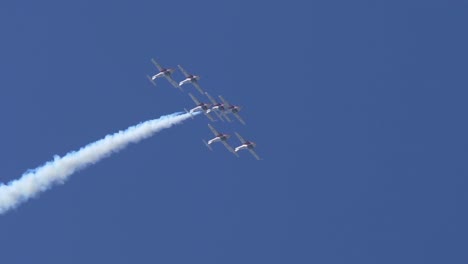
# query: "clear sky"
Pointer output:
{"type": "Point", "coordinates": [358, 109]}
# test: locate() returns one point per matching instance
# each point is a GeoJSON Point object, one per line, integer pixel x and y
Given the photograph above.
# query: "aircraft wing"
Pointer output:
{"type": "Point", "coordinates": [242, 140]}
{"type": "Point", "coordinates": [195, 83]}
{"type": "Point", "coordinates": [157, 64]}
{"type": "Point", "coordinates": [227, 117]}
{"type": "Point", "coordinates": [254, 154]}
{"type": "Point", "coordinates": [209, 116]}
{"type": "Point", "coordinates": [173, 82]}
{"type": "Point", "coordinates": [229, 147]}
{"type": "Point", "coordinates": [226, 103]}
{"type": "Point", "coordinates": [218, 115]}
{"type": "Point", "coordinates": [183, 71]}
{"type": "Point", "coordinates": [213, 101]}
{"type": "Point", "coordinates": [195, 100]}
{"type": "Point", "coordinates": [213, 130]}
{"type": "Point", "coordinates": [239, 118]}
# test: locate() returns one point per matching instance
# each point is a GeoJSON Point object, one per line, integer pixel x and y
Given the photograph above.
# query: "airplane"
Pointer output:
{"type": "Point", "coordinates": [219, 137]}
{"type": "Point", "coordinates": [234, 109]}
{"type": "Point", "coordinates": [218, 108]}
{"type": "Point", "coordinates": [163, 72]}
{"type": "Point", "coordinates": [201, 107]}
{"type": "Point", "coordinates": [190, 78]}
{"type": "Point", "coordinates": [249, 145]}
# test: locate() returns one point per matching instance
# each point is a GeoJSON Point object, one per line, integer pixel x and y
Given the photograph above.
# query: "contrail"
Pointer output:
{"type": "Point", "coordinates": [59, 169]}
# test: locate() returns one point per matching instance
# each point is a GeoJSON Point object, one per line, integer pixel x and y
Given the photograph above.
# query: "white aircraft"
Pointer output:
{"type": "Point", "coordinates": [219, 137]}
{"type": "Point", "coordinates": [234, 109]}
{"type": "Point", "coordinates": [190, 78]}
{"type": "Point", "coordinates": [246, 145]}
{"type": "Point", "coordinates": [200, 107]}
{"type": "Point", "coordinates": [218, 108]}
{"type": "Point", "coordinates": [163, 72]}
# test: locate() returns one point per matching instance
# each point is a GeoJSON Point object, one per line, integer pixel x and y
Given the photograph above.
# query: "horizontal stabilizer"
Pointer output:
{"type": "Point", "coordinates": [189, 112]}
{"type": "Point", "coordinates": [151, 80]}
{"type": "Point", "coordinates": [207, 145]}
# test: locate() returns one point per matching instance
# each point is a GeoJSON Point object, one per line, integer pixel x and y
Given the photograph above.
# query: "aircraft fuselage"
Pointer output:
{"type": "Point", "coordinates": [248, 145]}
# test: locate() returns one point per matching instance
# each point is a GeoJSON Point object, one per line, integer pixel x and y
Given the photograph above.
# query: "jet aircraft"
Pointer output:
{"type": "Point", "coordinates": [234, 109]}
{"type": "Point", "coordinates": [249, 145]}
{"type": "Point", "coordinates": [190, 78]}
{"type": "Point", "coordinates": [218, 108]}
{"type": "Point", "coordinates": [219, 137]}
{"type": "Point", "coordinates": [163, 72]}
{"type": "Point", "coordinates": [201, 107]}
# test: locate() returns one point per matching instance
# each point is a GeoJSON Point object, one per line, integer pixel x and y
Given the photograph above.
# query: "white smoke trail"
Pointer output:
{"type": "Point", "coordinates": [59, 169]}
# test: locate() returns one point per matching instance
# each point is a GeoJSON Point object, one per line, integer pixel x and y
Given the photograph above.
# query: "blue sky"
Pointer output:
{"type": "Point", "coordinates": [357, 107]}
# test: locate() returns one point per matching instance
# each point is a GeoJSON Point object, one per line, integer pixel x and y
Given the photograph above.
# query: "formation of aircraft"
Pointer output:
{"type": "Point", "coordinates": [221, 108]}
